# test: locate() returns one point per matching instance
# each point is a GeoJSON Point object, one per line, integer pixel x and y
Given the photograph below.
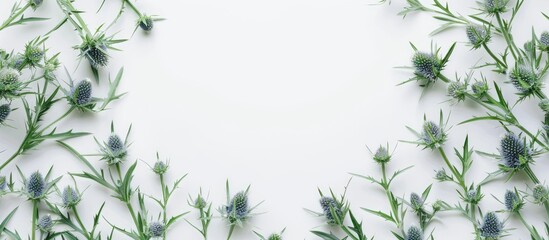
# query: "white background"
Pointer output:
{"type": "Point", "coordinates": [283, 95]}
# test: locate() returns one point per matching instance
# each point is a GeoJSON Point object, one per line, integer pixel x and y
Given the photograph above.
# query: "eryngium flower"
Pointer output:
{"type": "Point", "coordinates": [441, 175]}
{"type": "Point", "coordinates": [479, 88]}
{"type": "Point", "coordinates": [33, 54]}
{"type": "Point", "coordinates": [382, 155]}
{"type": "Point", "coordinates": [432, 135]}
{"type": "Point", "coordinates": [427, 66]}
{"type": "Point", "coordinates": [115, 150]}
{"type": "Point", "coordinates": [274, 236]}
{"type": "Point", "coordinates": [156, 229]}
{"type": "Point", "coordinates": [146, 23]}
{"type": "Point", "coordinates": [160, 167]}
{"type": "Point", "coordinates": [525, 80]}
{"type": "Point", "coordinates": [513, 151]}
{"type": "Point", "coordinates": [473, 196]}
{"type": "Point", "coordinates": [414, 233]}
{"type": "Point", "coordinates": [35, 186]}
{"type": "Point", "coordinates": [96, 53]}
{"type": "Point", "coordinates": [3, 183]}
{"type": "Point", "coordinates": [9, 76]}
{"type": "Point", "coordinates": [81, 93]}
{"type": "Point", "coordinates": [491, 227]}
{"type": "Point", "coordinates": [495, 6]}
{"type": "Point", "coordinates": [544, 41]}
{"type": "Point", "coordinates": [237, 210]}
{"type": "Point", "coordinates": [477, 35]}
{"type": "Point", "coordinates": [35, 3]}
{"type": "Point", "coordinates": [540, 194]}
{"type": "Point", "coordinates": [45, 223]}
{"type": "Point", "coordinates": [416, 201]}
{"type": "Point", "coordinates": [457, 90]}
{"type": "Point", "coordinates": [544, 105]}
{"type": "Point", "coordinates": [70, 197]}
{"type": "Point", "coordinates": [328, 206]}
{"type": "Point", "coordinates": [5, 111]}
{"type": "Point", "coordinates": [512, 201]}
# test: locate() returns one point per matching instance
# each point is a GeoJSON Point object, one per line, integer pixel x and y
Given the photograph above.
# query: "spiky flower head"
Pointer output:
{"type": "Point", "coordinates": [432, 135]}
{"type": "Point", "coordinates": [237, 210]}
{"type": "Point", "coordinates": [95, 50]}
{"type": "Point", "coordinates": [382, 155]}
{"type": "Point", "coordinates": [70, 197]}
{"type": "Point", "coordinates": [544, 41]}
{"type": "Point", "coordinates": [3, 183]}
{"type": "Point", "coordinates": [477, 35]}
{"type": "Point", "coordinates": [491, 227]}
{"type": "Point", "coordinates": [495, 6]}
{"type": "Point", "coordinates": [45, 223]}
{"type": "Point", "coordinates": [544, 105]}
{"type": "Point", "coordinates": [473, 196]}
{"type": "Point", "coordinates": [274, 236]}
{"type": "Point", "coordinates": [5, 110]}
{"type": "Point", "coordinates": [160, 167]}
{"type": "Point", "coordinates": [540, 193]}
{"type": "Point", "coordinates": [457, 90]}
{"type": "Point", "coordinates": [330, 207]}
{"type": "Point", "coordinates": [414, 233]}
{"type": "Point", "coordinates": [146, 23]}
{"type": "Point", "coordinates": [514, 152]}
{"type": "Point", "coordinates": [442, 176]}
{"type": "Point", "coordinates": [9, 76]}
{"type": "Point", "coordinates": [427, 66]}
{"type": "Point", "coordinates": [512, 201]}
{"type": "Point", "coordinates": [35, 3]}
{"type": "Point", "coordinates": [35, 186]}
{"type": "Point", "coordinates": [416, 201]}
{"type": "Point", "coordinates": [114, 150]}
{"type": "Point", "coordinates": [156, 229]}
{"type": "Point", "coordinates": [81, 93]}
{"type": "Point", "coordinates": [525, 80]}
{"type": "Point", "coordinates": [479, 88]}
{"type": "Point", "coordinates": [33, 54]}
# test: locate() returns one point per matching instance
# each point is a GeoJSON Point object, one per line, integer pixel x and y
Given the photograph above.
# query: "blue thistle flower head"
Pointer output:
{"type": "Point", "coordinates": [427, 66]}
{"type": "Point", "coordinates": [81, 93]}
{"type": "Point", "coordinates": [146, 23]}
{"type": "Point", "coordinates": [495, 6]}
{"type": "Point", "coordinates": [237, 210]}
{"type": "Point", "coordinates": [544, 41]}
{"type": "Point", "coordinates": [457, 90]}
{"type": "Point", "coordinates": [525, 80]}
{"type": "Point", "coordinates": [160, 167]}
{"type": "Point", "coordinates": [414, 233]}
{"type": "Point", "coordinates": [491, 227]}
{"type": "Point", "coordinates": [416, 202]}
{"type": "Point", "coordinates": [95, 50]}
{"type": "Point", "coordinates": [479, 88]}
{"type": "Point", "coordinates": [514, 152]}
{"type": "Point", "coordinates": [274, 236]}
{"type": "Point", "coordinates": [35, 3]}
{"type": "Point", "coordinates": [540, 193]}
{"type": "Point", "coordinates": [544, 105]}
{"type": "Point", "coordinates": [477, 35]}
{"type": "Point", "coordinates": [115, 150]}
{"type": "Point", "coordinates": [473, 196]}
{"type": "Point", "coordinates": [156, 229]}
{"type": "Point", "coordinates": [70, 197]}
{"type": "Point", "coordinates": [512, 201]}
{"type": "Point", "coordinates": [33, 54]}
{"type": "Point", "coordinates": [441, 175]}
{"type": "Point", "coordinates": [9, 76]}
{"type": "Point", "coordinates": [45, 224]}
{"type": "Point", "coordinates": [5, 110]}
{"type": "Point", "coordinates": [329, 206]}
{"type": "Point", "coordinates": [382, 155]}
{"type": "Point", "coordinates": [35, 186]}
{"type": "Point", "coordinates": [433, 135]}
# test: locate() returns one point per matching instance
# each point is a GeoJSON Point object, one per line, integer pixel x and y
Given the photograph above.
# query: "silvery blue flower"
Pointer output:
{"type": "Point", "coordinates": [427, 66]}
{"type": "Point", "coordinates": [35, 3]}
{"type": "Point", "coordinates": [35, 186]}
{"type": "Point", "coordinates": [416, 201]}
{"type": "Point", "coordinates": [414, 233]}
{"type": "Point", "coordinates": [495, 6]}
{"type": "Point", "coordinates": [432, 135]}
{"type": "Point", "coordinates": [382, 155]}
{"type": "Point", "coordinates": [160, 167]}
{"type": "Point", "coordinates": [544, 105]}
{"type": "Point", "coordinates": [512, 201]}
{"type": "Point", "coordinates": [479, 88]}
{"type": "Point", "coordinates": [540, 193]}
{"type": "Point", "coordinates": [442, 176]}
{"type": "Point", "coordinates": [5, 111]}
{"type": "Point", "coordinates": [45, 223]}
{"type": "Point", "coordinates": [81, 93]}
{"type": "Point", "coordinates": [9, 76]}
{"type": "Point", "coordinates": [513, 151]}
{"type": "Point", "coordinates": [33, 54]}
{"type": "Point", "coordinates": [473, 196]}
{"type": "Point", "coordinates": [477, 35]}
{"type": "Point", "coordinates": [146, 23]}
{"type": "Point", "coordinates": [237, 209]}
{"type": "Point", "coordinates": [525, 80]}
{"type": "Point", "coordinates": [328, 206]}
{"type": "Point", "coordinates": [156, 229]}
{"type": "Point", "coordinates": [457, 90]}
{"type": "Point", "coordinates": [114, 150]}
{"type": "Point", "coordinates": [544, 41]}
{"type": "Point", "coordinates": [70, 197]}
{"type": "Point", "coordinates": [95, 52]}
{"type": "Point", "coordinates": [491, 227]}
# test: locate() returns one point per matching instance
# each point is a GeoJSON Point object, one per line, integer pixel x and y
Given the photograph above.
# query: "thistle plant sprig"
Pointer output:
{"type": "Point", "coordinates": [204, 208]}
{"type": "Point", "coordinates": [144, 21]}
{"type": "Point", "coordinates": [428, 66]}
{"type": "Point", "coordinates": [514, 202]}
{"type": "Point", "coordinates": [335, 210]}
{"type": "Point", "coordinates": [237, 210]}
{"type": "Point", "coordinates": [417, 204]}
{"type": "Point", "coordinates": [397, 211]}
{"type": "Point", "coordinates": [274, 236]}
{"type": "Point", "coordinates": [17, 17]}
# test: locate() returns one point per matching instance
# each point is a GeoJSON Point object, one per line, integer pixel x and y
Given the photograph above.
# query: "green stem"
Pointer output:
{"type": "Point", "coordinates": [164, 205]}
{"type": "Point", "coordinates": [231, 230]}
{"type": "Point", "coordinates": [535, 180]}
{"type": "Point", "coordinates": [81, 23]}
{"type": "Point", "coordinates": [394, 208]}
{"type": "Point", "coordinates": [444, 78]}
{"type": "Point", "coordinates": [133, 8]}
{"type": "Point", "coordinates": [80, 223]}
{"type": "Point", "coordinates": [14, 16]}
{"type": "Point", "coordinates": [128, 202]}
{"type": "Point", "coordinates": [34, 218]}
{"type": "Point", "coordinates": [534, 234]}
{"type": "Point", "coordinates": [456, 174]}
{"type": "Point", "coordinates": [58, 119]}
{"type": "Point", "coordinates": [500, 62]}
{"type": "Point", "coordinates": [507, 36]}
